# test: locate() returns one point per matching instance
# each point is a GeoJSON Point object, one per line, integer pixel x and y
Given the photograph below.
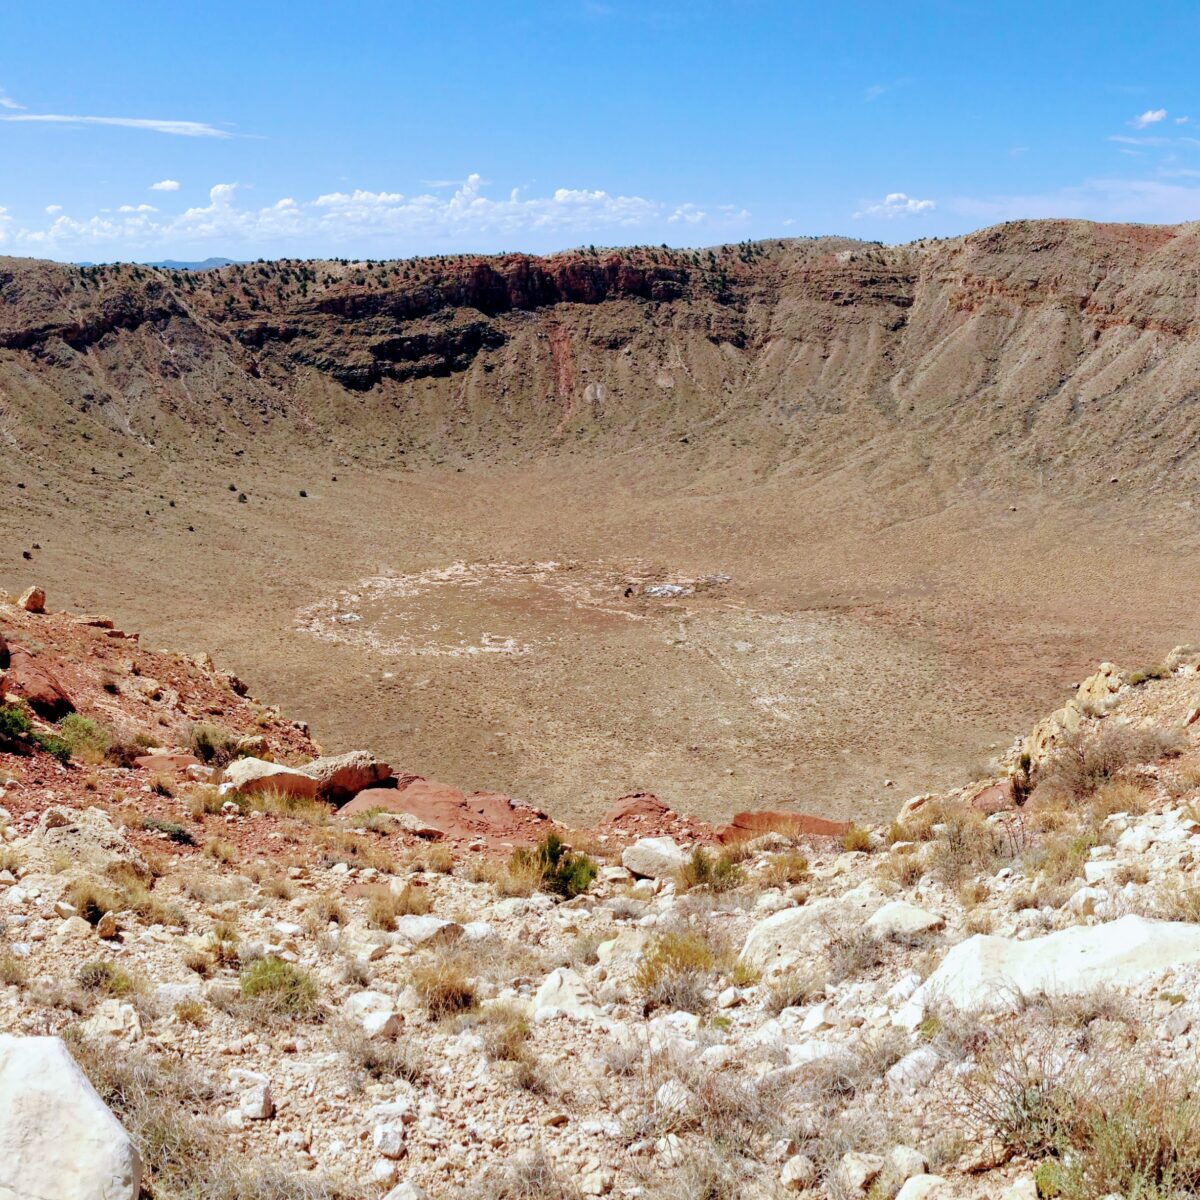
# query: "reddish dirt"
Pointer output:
{"type": "Point", "coordinates": [643, 814]}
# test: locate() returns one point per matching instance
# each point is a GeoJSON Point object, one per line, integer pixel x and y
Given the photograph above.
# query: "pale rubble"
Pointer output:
{"type": "Point", "coordinates": [614, 1091]}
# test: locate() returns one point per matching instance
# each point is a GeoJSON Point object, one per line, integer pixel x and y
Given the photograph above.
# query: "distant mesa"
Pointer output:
{"type": "Point", "coordinates": [172, 264]}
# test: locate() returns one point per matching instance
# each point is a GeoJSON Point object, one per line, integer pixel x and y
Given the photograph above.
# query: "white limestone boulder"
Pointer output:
{"type": "Point", "coordinates": [245, 775]}
{"type": "Point", "coordinates": [564, 991]}
{"type": "Point", "coordinates": [57, 1137]}
{"type": "Point", "coordinates": [796, 933]}
{"type": "Point", "coordinates": [374, 1013]}
{"type": "Point", "coordinates": [987, 973]}
{"type": "Point", "coordinates": [898, 918]}
{"type": "Point", "coordinates": [653, 858]}
{"type": "Point", "coordinates": [341, 777]}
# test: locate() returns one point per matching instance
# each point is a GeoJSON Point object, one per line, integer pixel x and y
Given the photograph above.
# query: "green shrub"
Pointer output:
{"type": "Point", "coordinates": [211, 745]}
{"type": "Point", "coordinates": [14, 726]}
{"type": "Point", "coordinates": [176, 833]}
{"type": "Point", "coordinates": [104, 977]}
{"type": "Point", "coordinates": [280, 987]}
{"type": "Point", "coordinates": [720, 874]}
{"type": "Point", "coordinates": [561, 871]}
{"type": "Point", "coordinates": [87, 739]}
{"type": "Point", "coordinates": [53, 745]}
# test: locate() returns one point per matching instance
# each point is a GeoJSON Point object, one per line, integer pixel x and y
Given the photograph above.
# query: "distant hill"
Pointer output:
{"type": "Point", "coordinates": [208, 264]}
{"type": "Point", "coordinates": [171, 264]}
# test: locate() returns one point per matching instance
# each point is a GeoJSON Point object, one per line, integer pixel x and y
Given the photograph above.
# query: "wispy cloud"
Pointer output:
{"type": "Point", "coordinates": [6, 101]}
{"type": "Point", "coordinates": [1099, 199]}
{"type": "Point", "coordinates": [165, 185]}
{"type": "Point", "coordinates": [195, 129]}
{"type": "Point", "coordinates": [896, 204]}
{"type": "Point", "coordinates": [881, 89]}
{"type": "Point", "coordinates": [391, 222]}
{"type": "Point", "coordinates": [1151, 116]}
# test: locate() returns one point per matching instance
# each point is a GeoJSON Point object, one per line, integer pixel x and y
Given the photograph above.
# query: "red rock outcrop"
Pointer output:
{"type": "Point", "coordinates": [29, 680]}
{"type": "Point", "coordinates": [643, 814]}
{"type": "Point", "coordinates": [751, 824]}
{"type": "Point", "coordinates": [482, 816]}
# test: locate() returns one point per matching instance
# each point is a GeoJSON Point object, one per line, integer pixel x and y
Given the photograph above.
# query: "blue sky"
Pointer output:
{"type": "Point", "coordinates": [377, 129]}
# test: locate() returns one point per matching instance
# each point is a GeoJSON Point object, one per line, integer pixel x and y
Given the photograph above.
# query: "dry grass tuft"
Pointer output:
{"type": "Point", "coordinates": [445, 985]}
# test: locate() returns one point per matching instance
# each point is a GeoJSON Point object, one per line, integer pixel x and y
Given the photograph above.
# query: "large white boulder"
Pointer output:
{"type": "Point", "coordinates": [258, 775]}
{"type": "Point", "coordinates": [796, 933]}
{"type": "Point", "coordinates": [87, 839]}
{"type": "Point", "coordinates": [898, 918]}
{"type": "Point", "coordinates": [374, 1013]}
{"type": "Point", "coordinates": [987, 973]}
{"type": "Point", "coordinates": [564, 991]}
{"type": "Point", "coordinates": [653, 857]}
{"type": "Point", "coordinates": [341, 777]}
{"type": "Point", "coordinates": [57, 1138]}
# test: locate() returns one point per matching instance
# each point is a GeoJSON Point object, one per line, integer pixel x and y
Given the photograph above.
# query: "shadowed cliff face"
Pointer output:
{"type": "Point", "coordinates": [1033, 346]}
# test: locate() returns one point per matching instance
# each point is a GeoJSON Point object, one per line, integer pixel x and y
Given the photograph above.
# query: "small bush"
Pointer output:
{"type": "Point", "coordinates": [965, 845]}
{"type": "Point", "coordinates": [15, 727]}
{"type": "Point", "coordinates": [505, 1032]}
{"type": "Point", "coordinates": [211, 745]}
{"type": "Point", "coordinates": [384, 905]}
{"type": "Point", "coordinates": [720, 874]}
{"type": "Point", "coordinates": [104, 977]}
{"type": "Point", "coordinates": [92, 899]}
{"type": "Point", "coordinates": [857, 839]}
{"type": "Point", "coordinates": [532, 1177]}
{"type": "Point", "coordinates": [785, 869]}
{"type": "Point", "coordinates": [53, 745]}
{"type": "Point", "coordinates": [674, 972]}
{"type": "Point", "coordinates": [161, 785]}
{"type": "Point", "coordinates": [559, 870]}
{"type": "Point", "coordinates": [799, 986]}
{"type": "Point", "coordinates": [280, 987]}
{"type": "Point", "coordinates": [381, 1060]}
{"type": "Point", "coordinates": [322, 911]}
{"type": "Point", "coordinates": [176, 833]}
{"type": "Point", "coordinates": [165, 1106]}
{"type": "Point", "coordinates": [1088, 758]}
{"type": "Point", "coordinates": [87, 740]}
{"type": "Point", "coordinates": [220, 851]}
{"type": "Point", "coordinates": [191, 1012]}
{"type": "Point", "coordinates": [12, 971]}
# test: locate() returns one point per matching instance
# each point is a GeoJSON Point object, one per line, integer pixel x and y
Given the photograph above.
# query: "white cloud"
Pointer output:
{"type": "Point", "coordinates": [177, 128]}
{"type": "Point", "coordinates": [688, 214]}
{"type": "Point", "coordinates": [897, 204]}
{"type": "Point", "coordinates": [165, 185]}
{"type": "Point", "coordinates": [6, 101]}
{"type": "Point", "coordinates": [1182, 120]}
{"type": "Point", "coordinates": [52, 209]}
{"type": "Point", "coordinates": [1150, 117]}
{"type": "Point", "coordinates": [385, 222]}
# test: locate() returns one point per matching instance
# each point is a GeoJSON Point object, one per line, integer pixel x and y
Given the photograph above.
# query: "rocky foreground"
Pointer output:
{"type": "Point", "coordinates": [234, 967]}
